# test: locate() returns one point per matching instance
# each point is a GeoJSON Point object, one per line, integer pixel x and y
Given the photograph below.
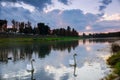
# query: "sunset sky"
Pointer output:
{"type": "Point", "coordinates": [83, 15]}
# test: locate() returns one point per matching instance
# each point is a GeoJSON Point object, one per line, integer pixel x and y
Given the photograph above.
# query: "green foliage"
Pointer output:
{"type": "Point", "coordinates": [110, 77]}
{"type": "Point", "coordinates": [114, 59]}
{"type": "Point", "coordinates": [117, 68]}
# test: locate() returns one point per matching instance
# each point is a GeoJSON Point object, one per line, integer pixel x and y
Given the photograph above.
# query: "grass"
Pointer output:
{"type": "Point", "coordinates": [38, 39]}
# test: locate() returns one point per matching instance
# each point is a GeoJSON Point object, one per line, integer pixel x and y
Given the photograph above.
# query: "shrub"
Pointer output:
{"type": "Point", "coordinates": [114, 59]}
{"type": "Point", "coordinates": [117, 68]}
{"type": "Point", "coordinates": [115, 48]}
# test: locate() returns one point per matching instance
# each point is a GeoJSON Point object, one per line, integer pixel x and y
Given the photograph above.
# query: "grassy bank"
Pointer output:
{"type": "Point", "coordinates": [38, 39]}
{"type": "Point", "coordinates": [114, 62]}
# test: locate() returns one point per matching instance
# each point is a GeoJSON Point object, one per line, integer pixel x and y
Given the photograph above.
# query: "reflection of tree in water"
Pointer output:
{"type": "Point", "coordinates": [98, 40]}
{"type": "Point", "coordinates": [102, 40]}
{"type": "Point", "coordinates": [65, 45]}
{"type": "Point", "coordinates": [23, 51]}
{"type": "Point", "coordinates": [42, 50]}
{"type": "Point", "coordinates": [4, 55]}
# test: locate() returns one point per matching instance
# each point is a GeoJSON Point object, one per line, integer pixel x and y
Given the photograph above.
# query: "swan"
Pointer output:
{"type": "Point", "coordinates": [73, 62]}
{"type": "Point", "coordinates": [30, 67]}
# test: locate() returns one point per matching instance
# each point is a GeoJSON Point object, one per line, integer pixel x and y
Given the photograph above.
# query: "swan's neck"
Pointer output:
{"type": "Point", "coordinates": [74, 59]}
{"type": "Point", "coordinates": [32, 65]}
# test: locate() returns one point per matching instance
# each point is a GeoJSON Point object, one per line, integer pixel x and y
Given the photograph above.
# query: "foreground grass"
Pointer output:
{"type": "Point", "coordinates": [114, 62]}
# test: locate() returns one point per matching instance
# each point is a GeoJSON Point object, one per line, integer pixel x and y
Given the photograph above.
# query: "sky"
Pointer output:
{"type": "Point", "coordinates": [87, 16]}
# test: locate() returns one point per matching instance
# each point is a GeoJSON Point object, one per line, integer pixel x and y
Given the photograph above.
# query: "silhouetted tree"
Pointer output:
{"type": "Point", "coordinates": [74, 32]}
{"type": "Point", "coordinates": [3, 25]}
{"type": "Point", "coordinates": [68, 31]}
{"type": "Point", "coordinates": [104, 35]}
{"type": "Point", "coordinates": [28, 28]}
{"type": "Point", "coordinates": [35, 30]}
{"type": "Point", "coordinates": [65, 32]}
{"type": "Point", "coordinates": [14, 29]}
{"type": "Point", "coordinates": [84, 35]}
{"type": "Point", "coordinates": [43, 29]}
{"type": "Point", "coordinates": [21, 27]}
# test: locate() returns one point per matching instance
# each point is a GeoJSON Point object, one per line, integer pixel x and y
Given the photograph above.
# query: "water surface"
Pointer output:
{"type": "Point", "coordinates": [52, 60]}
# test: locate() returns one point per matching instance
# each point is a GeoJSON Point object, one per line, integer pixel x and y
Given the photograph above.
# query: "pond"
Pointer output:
{"type": "Point", "coordinates": [68, 60]}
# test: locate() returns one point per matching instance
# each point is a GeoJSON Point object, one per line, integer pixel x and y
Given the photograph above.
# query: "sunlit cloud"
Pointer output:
{"type": "Point", "coordinates": [71, 4]}
{"type": "Point", "coordinates": [19, 4]}
{"type": "Point", "coordinates": [83, 73]}
{"type": "Point", "coordinates": [88, 27]}
{"type": "Point", "coordinates": [104, 57]}
{"type": "Point", "coordinates": [88, 48]}
{"type": "Point", "coordinates": [111, 17]}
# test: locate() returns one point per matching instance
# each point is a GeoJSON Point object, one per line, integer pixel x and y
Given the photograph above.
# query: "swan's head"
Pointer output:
{"type": "Point", "coordinates": [33, 60]}
{"type": "Point", "coordinates": [75, 54]}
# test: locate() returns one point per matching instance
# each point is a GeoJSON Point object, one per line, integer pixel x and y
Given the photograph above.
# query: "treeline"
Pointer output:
{"type": "Point", "coordinates": [102, 35]}
{"type": "Point", "coordinates": [40, 29]}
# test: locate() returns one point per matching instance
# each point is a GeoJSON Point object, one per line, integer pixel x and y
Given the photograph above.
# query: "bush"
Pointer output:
{"type": "Point", "coordinates": [114, 59]}
{"type": "Point", "coordinates": [115, 48]}
{"type": "Point", "coordinates": [117, 68]}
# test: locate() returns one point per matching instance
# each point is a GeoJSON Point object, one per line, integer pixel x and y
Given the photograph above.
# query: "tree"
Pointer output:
{"type": "Point", "coordinates": [3, 25]}
{"type": "Point", "coordinates": [14, 25]}
{"type": "Point", "coordinates": [35, 30]}
{"type": "Point", "coordinates": [28, 28]}
{"type": "Point", "coordinates": [74, 32]}
{"type": "Point", "coordinates": [21, 27]}
{"type": "Point", "coordinates": [68, 31]}
{"type": "Point", "coordinates": [43, 29]}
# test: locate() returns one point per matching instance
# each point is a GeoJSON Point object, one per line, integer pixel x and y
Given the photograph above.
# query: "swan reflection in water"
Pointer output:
{"type": "Point", "coordinates": [30, 68]}
{"type": "Point", "coordinates": [73, 63]}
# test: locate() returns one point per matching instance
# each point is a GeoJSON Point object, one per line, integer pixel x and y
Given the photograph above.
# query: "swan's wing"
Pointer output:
{"type": "Point", "coordinates": [71, 62]}
{"type": "Point", "coordinates": [29, 67]}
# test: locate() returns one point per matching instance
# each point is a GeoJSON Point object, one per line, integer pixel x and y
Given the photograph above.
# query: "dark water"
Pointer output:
{"type": "Point", "coordinates": [52, 60]}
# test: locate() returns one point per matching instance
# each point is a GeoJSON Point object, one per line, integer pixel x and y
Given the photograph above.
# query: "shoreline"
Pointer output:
{"type": "Point", "coordinates": [114, 62]}
{"type": "Point", "coordinates": [36, 39]}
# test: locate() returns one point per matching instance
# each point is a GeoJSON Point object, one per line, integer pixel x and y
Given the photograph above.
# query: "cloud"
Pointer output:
{"type": "Point", "coordinates": [64, 1]}
{"type": "Point", "coordinates": [58, 18]}
{"type": "Point", "coordinates": [40, 4]}
{"type": "Point", "coordinates": [102, 7]}
{"type": "Point", "coordinates": [104, 4]}
{"type": "Point", "coordinates": [106, 26]}
{"type": "Point", "coordinates": [88, 27]}
{"type": "Point", "coordinates": [78, 19]}
{"type": "Point", "coordinates": [19, 4]}
{"type": "Point", "coordinates": [111, 17]}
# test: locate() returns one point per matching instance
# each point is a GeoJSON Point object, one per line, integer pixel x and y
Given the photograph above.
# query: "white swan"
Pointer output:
{"type": "Point", "coordinates": [73, 62]}
{"type": "Point", "coordinates": [30, 67]}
